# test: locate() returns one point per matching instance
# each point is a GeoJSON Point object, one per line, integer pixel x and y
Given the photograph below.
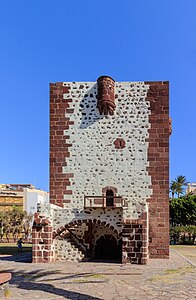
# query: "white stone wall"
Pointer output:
{"type": "Point", "coordinates": [93, 158]}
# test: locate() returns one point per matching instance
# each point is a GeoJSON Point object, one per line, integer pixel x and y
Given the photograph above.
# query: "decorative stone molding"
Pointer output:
{"type": "Point", "coordinates": [79, 222]}
{"type": "Point", "coordinates": [111, 188]}
{"type": "Point", "coordinates": [106, 96]}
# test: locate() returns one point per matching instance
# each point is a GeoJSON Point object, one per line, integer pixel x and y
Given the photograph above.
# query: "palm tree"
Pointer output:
{"type": "Point", "coordinates": [176, 186]}
{"type": "Point", "coordinates": [173, 188]}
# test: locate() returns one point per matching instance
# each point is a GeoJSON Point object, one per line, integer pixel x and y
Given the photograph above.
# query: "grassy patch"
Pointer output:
{"type": "Point", "coordinates": [11, 249]}
{"type": "Point", "coordinates": [7, 293]}
{"type": "Point", "coordinates": [188, 269]}
{"type": "Point", "coordinates": [97, 276]}
{"type": "Point", "coordinates": [182, 246]}
{"type": "Point", "coordinates": [80, 280]}
{"type": "Point", "coordinates": [88, 278]}
{"type": "Point", "coordinates": [172, 271]}
{"type": "Point", "coordinates": [173, 275]}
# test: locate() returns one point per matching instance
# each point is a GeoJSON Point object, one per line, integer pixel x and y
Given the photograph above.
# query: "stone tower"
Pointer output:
{"type": "Point", "coordinates": [109, 173]}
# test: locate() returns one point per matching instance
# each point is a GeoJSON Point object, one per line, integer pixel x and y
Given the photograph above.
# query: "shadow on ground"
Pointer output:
{"type": "Point", "coordinates": [21, 257]}
{"type": "Point", "coordinates": [37, 280]}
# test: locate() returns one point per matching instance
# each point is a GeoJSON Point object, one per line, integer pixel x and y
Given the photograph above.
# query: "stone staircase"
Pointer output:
{"type": "Point", "coordinates": [68, 248]}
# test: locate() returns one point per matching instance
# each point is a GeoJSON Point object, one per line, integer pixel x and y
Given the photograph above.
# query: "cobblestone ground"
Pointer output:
{"type": "Point", "coordinates": [174, 278]}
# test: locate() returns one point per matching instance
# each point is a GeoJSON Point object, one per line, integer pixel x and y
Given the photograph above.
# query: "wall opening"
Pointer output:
{"type": "Point", "coordinates": [107, 248]}
{"type": "Point", "coordinates": [109, 198]}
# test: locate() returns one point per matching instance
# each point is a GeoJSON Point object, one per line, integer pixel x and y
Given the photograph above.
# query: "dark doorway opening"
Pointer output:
{"type": "Point", "coordinates": [109, 198]}
{"type": "Point", "coordinates": [107, 248]}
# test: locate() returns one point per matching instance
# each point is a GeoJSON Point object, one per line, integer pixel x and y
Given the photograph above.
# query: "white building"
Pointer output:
{"type": "Point", "coordinates": [32, 197]}
{"type": "Point", "coordinates": [25, 196]}
{"type": "Point", "coordinates": [191, 188]}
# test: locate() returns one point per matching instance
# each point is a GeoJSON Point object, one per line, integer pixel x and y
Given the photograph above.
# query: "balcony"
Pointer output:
{"type": "Point", "coordinates": [103, 202]}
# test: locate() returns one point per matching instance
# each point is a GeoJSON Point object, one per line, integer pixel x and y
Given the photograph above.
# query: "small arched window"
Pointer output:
{"type": "Point", "coordinates": [109, 198]}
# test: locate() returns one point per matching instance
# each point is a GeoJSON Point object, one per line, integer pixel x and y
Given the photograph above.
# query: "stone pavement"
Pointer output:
{"type": "Point", "coordinates": [161, 279]}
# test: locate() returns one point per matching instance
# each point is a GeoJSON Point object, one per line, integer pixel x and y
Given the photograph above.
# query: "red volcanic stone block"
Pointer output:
{"type": "Point", "coordinates": [68, 192]}
{"type": "Point", "coordinates": [66, 89]}
{"type": "Point", "coordinates": [119, 143]}
{"type": "Point", "coordinates": [70, 111]}
{"type": "Point", "coordinates": [66, 201]}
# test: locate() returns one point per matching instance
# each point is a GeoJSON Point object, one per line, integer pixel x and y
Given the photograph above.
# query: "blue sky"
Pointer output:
{"type": "Point", "coordinates": [60, 40]}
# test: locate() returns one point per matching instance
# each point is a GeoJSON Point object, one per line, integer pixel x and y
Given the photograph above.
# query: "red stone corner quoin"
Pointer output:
{"type": "Point", "coordinates": [106, 95]}
{"type": "Point", "coordinates": [142, 235]}
{"type": "Point", "coordinates": [158, 157]}
{"type": "Point", "coordinates": [59, 143]}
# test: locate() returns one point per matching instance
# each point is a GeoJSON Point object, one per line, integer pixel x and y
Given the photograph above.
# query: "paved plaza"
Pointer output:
{"type": "Point", "coordinates": [161, 279]}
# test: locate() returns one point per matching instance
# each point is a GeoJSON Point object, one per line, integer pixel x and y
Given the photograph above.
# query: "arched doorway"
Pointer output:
{"type": "Point", "coordinates": [109, 198]}
{"type": "Point", "coordinates": [107, 248]}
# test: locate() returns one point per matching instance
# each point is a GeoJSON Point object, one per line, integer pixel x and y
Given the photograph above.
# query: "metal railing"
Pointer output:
{"type": "Point", "coordinates": [103, 201]}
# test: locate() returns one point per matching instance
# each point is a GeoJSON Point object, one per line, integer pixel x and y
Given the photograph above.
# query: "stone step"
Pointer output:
{"type": "Point", "coordinates": [75, 245]}
{"type": "Point", "coordinates": [67, 251]}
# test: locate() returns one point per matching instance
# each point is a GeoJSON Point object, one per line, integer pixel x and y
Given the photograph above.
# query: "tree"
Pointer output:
{"type": "Point", "coordinates": [173, 188]}
{"type": "Point", "coordinates": [1, 226]}
{"type": "Point", "coordinates": [176, 185]}
{"type": "Point", "coordinates": [27, 224]}
{"type": "Point", "coordinates": [14, 222]}
{"type": "Point", "coordinates": [183, 219]}
{"type": "Point", "coordinates": [183, 210]}
{"type": "Point", "coordinates": [179, 234]}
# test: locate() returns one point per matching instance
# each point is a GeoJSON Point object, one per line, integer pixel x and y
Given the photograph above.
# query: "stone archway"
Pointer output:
{"type": "Point", "coordinates": [107, 248]}
{"type": "Point", "coordinates": [94, 230]}
{"type": "Point", "coordinates": [79, 222]}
